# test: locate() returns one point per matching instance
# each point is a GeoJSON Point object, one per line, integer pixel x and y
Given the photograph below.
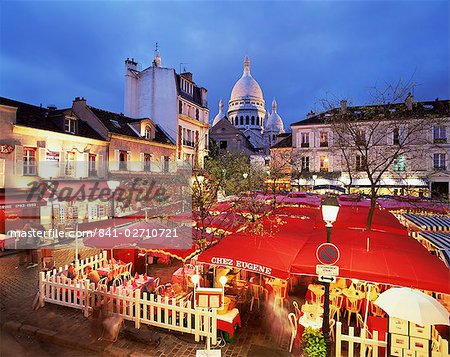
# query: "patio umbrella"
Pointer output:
{"type": "Point", "coordinates": [413, 305]}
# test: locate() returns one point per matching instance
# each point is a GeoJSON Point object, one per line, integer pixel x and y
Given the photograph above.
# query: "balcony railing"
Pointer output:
{"type": "Point", "coordinates": [440, 140]}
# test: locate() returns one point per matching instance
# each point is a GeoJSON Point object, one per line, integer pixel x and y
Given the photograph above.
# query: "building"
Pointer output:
{"type": "Point", "coordinates": [136, 146]}
{"type": "Point", "coordinates": [45, 144]}
{"type": "Point", "coordinates": [174, 102]}
{"type": "Point", "coordinates": [247, 113]}
{"type": "Point", "coordinates": [423, 169]}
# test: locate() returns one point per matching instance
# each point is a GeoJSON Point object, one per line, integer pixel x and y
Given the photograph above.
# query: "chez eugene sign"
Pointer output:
{"type": "Point", "coordinates": [327, 254]}
{"type": "Point", "coordinates": [243, 265]}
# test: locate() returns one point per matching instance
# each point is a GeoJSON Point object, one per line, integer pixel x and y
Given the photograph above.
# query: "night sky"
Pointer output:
{"type": "Point", "coordinates": [301, 52]}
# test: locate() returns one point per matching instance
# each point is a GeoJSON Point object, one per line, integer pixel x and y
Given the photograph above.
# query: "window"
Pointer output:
{"type": "Point", "coordinates": [197, 114]}
{"type": "Point", "coordinates": [361, 163]}
{"type": "Point", "coordinates": [180, 107]}
{"type": "Point", "coordinates": [439, 134]}
{"type": "Point", "coordinates": [29, 161]}
{"type": "Point", "coordinates": [247, 120]}
{"type": "Point", "coordinates": [253, 120]}
{"type": "Point", "coordinates": [257, 120]}
{"type": "Point", "coordinates": [206, 142]}
{"type": "Point", "coordinates": [305, 140]}
{"type": "Point", "coordinates": [360, 137]}
{"type": "Point", "coordinates": [324, 163]}
{"type": "Point", "coordinates": [69, 125]}
{"type": "Point", "coordinates": [123, 155]}
{"type": "Point", "coordinates": [148, 132]}
{"type": "Point", "coordinates": [166, 164]}
{"type": "Point", "coordinates": [396, 136]}
{"type": "Point", "coordinates": [223, 144]}
{"type": "Point", "coordinates": [305, 163]}
{"type": "Point", "coordinates": [92, 170]}
{"type": "Point", "coordinates": [323, 139]}
{"type": "Point", "coordinates": [439, 161]}
{"type": "Point", "coordinates": [399, 163]}
{"type": "Point", "coordinates": [70, 163]}
{"type": "Point", "coordinates": [242, 120]}
{"type": "Point", "coordinates": [236, 121]}
{"type": "Point", "coordinates": [147, 162]}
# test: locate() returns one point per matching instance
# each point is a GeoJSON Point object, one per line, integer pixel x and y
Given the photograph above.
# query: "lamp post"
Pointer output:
{"type": "Point", "coordinates": [330, 209]}
{"type": "Point", "coordinates": [314, 177]}
{"type": "Point", "coordinates": [112, 184]}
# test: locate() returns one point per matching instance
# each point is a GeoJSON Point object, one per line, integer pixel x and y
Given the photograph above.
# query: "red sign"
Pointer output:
{"type": "Point", "coordinates": [6, 149]}
{"type": "Point", "coordinates": [328, 254]}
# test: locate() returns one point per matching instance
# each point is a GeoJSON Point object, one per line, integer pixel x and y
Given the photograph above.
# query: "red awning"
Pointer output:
{"type": "Point", "coordinates": [393, 257]}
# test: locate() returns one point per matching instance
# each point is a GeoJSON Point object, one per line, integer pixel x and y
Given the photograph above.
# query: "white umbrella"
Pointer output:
{"type": "Point", "coordinates": [413, 305]}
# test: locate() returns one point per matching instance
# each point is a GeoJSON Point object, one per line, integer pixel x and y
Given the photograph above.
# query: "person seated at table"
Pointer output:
{"type": "Point", "coordinates": [92, 275]}
{"type": "Point", "coordinates": [71, 272]}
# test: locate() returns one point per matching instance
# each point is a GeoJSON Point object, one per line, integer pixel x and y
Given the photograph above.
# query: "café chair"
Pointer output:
{"type": "Point", "coordinates": [353, 306]}
{"type": "Point", "coordinates": [257, 292]}
{"type": "Point", "coordinates": [293, 324]}
{"type": "Point", "coordinates": [376, 310]}
{"type": "Point", "coordinates": [296, 309]}
{"type": "Point", "coordinates": [332, 323]}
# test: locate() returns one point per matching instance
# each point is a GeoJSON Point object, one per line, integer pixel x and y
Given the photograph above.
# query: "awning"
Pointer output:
{"type": "Point", "coordinates": [429, 223]}
{"type": "Point", "coordinates": [413, 204]}
{"type": "Point", "coordinates": [389, 256]}
{"type": "Point", "coordinates": [271, 254]}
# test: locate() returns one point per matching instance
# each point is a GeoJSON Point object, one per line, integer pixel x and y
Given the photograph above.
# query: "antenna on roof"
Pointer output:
{"type": "Point", "coordinates": [182, 64]}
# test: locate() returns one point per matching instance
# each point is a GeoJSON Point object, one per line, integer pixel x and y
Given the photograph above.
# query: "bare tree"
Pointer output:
{"type": "Point", "coordinates": [374, 139]}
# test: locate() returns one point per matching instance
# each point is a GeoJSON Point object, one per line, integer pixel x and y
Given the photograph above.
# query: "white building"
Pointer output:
{"type": "Point", "coordinates": [174, 102]}
{"type": "Point", "coordinates": [423, 169]}
{"type": "Point", "coordinates": [247, 112]}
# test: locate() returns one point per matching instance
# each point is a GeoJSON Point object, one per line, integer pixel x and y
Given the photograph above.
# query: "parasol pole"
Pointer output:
{"type": "Point", "coordinates": [367, 304]}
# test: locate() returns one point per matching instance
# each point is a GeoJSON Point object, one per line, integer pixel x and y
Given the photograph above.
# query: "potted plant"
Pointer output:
{"type": "Point", "coordinates": [313, 343]}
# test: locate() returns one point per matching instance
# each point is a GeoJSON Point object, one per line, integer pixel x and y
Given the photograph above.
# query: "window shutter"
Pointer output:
{"type": "Point", "coordinates": [101, 165]}
{"type": "Point", "coordinates": [128, 166]}
{"type": "Point", "coordinates": [43, 169]}
{"type": "Point", "coordinates": [115, 163]}
{"type": "Point", "coordinates": [62, 163]}
{"type": "Point", "coordinates": [18, 160]}
{"type": "Point", "coordinates": [142, 157]}
{"type": "Point", "coordinates": [85, 164]}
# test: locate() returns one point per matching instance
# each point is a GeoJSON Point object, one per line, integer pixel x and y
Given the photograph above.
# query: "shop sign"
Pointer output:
{"type": "Point", "coordinates": [6, 149]}
{"type": "Point", "coordinates": [52, 156]}
{"type": "Point", "coordinates": [257, 268]}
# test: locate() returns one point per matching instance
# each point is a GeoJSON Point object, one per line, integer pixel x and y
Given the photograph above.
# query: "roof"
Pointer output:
{"type": "Point", "coordinates": [46, 119]}
{"type": "Point", "coordinates": [388, 111]}
{"type": "Point", "coordinates": [195, 98]}
{"type": "Point", "coordinates": [118, 124]}
{"type": "Point", "coordinates": [284, 143]}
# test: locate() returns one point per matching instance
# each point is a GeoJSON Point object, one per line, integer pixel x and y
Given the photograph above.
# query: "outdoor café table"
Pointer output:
{"type": "Point", "coordinates": [110, 268]}
{"type": "Point", "coordinates": [228, 321]}
{"type": "Point", "coordinates": [315, 290]}
{"type": "Point", "coordinates": [304, 322]}
{"type": "Point", "coordinates": [379, 324]}
{"type": "Point", "coordinates": [177, 276]}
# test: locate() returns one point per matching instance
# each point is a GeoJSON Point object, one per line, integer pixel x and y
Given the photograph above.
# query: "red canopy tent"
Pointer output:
{"type": "Point", "coordinates": [389, 256]}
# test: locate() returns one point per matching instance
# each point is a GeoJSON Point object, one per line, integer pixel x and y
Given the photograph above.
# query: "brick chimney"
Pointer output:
{"type": "Point", "coordinates": [409, 101]}
{"type": "Point", "coordinates": [343, 106]}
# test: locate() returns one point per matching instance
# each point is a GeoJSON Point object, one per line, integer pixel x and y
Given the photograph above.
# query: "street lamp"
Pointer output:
{"type": "Point", "coordinates": [314, 177]}
{"type": "Point", "coordinates": [112, 184]}
{"type": "Point", "coordinates": [223, 280]}
{"type": "Point", "coordinates": [330, 210]}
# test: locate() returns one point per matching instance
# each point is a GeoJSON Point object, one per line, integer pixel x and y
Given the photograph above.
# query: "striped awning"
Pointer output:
{"type": "Point", "coordinates": [429, 223]}
{"type": "Point", "coordinates": [440, 240]}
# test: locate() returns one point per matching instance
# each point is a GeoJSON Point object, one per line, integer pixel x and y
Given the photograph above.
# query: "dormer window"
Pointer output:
{"type": "Point", "coordinates": [69, 125]}
{"type": "Point", "coordinates": [148, 132]}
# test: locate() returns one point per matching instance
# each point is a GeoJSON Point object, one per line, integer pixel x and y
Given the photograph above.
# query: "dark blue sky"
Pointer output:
{"type": "Point", "coordinates": [300, 51]}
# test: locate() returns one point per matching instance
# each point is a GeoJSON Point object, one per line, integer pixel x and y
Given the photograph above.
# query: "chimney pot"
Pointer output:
{"type": "Point", "coordinates": [344, 106]}
{"type": "Point", "coordinates": [409, 101]}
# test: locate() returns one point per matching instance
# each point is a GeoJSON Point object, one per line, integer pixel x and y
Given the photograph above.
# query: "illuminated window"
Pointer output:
{"type": "Point", "coordinates": [148, 132]}
{"type": "Point", "coordinates": [29, 161]}
{"type": "Point", "coordinates": [92, 170]}
{"type": "Point", "coordinates": [323, 139]}
{"type": "Point", "coordinates": [70, 163]}
{"type": "Point", "coordinates": [399, 163]}
{"type": "Point", "coordinates": [324, 163]}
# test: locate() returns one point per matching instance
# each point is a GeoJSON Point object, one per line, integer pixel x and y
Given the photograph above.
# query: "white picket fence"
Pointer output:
{"type": "Point", "coordinates": [365, 342]}
{"type": "Point", "coordinates": [141, 308]}
{"type": "Point", "coordinates": [373, 344]}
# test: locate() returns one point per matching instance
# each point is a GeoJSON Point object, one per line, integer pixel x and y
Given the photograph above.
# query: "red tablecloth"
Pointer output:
{"type": "Point", "coordinates": [227, 321]}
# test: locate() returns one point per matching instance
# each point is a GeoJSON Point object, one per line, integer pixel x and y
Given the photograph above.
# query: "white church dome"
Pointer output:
{"type": "Point", "coordinates": [246, 87]}
{"type": "Point", "coordinates": [274, 121]}
{"type": "Point", "coordinates": [219, 115]}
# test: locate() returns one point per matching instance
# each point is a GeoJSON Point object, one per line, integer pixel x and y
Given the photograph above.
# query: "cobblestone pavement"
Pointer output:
{"type": "Point", "coordinates": [18, 287]}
